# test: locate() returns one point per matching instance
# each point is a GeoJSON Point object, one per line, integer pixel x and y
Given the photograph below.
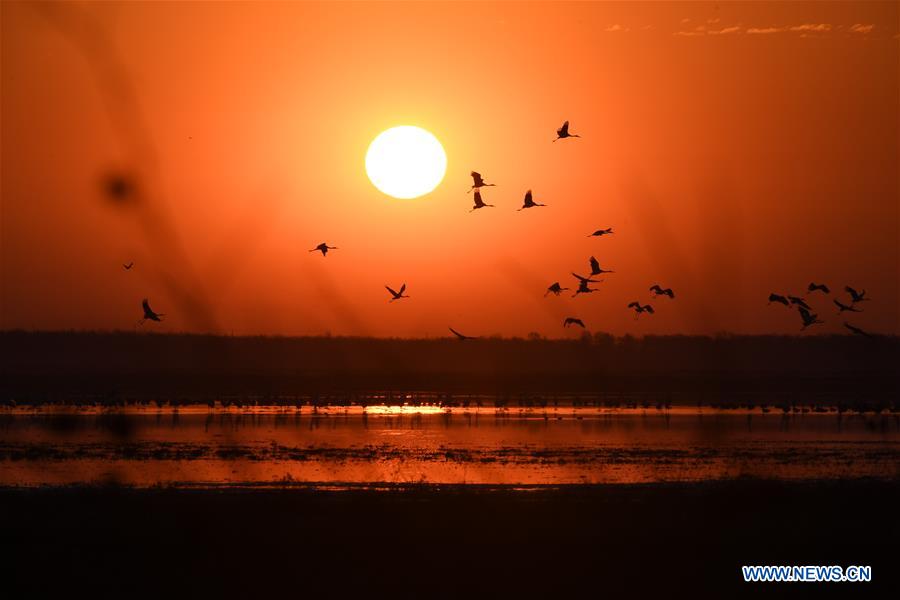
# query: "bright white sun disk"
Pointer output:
{"type": "Point", "coordinates": [406, 162]}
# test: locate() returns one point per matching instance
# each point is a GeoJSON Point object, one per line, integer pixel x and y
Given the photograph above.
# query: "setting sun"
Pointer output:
{"type": "Point", "coordinates": [406, 162]}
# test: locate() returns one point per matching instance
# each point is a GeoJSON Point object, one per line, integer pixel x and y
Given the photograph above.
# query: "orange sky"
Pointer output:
{"type": "Point", "coordinates": [736, 149]}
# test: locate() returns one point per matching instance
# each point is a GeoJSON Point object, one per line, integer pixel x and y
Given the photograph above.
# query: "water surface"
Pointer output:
{"type": "Point", "coordinates": [399, 445]}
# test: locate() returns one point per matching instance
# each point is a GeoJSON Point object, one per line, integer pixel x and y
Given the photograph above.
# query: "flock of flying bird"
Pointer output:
{"type": "Point", "coordinates": [584, 282]}
{"type": "Point", "coordinates": [808, 317]}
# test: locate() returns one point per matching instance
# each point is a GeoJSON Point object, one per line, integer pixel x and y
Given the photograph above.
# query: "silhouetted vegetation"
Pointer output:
{"type": "Point", "coordinates": [640, 541]}
{"type": "Point", "coordinates": [844, 371]}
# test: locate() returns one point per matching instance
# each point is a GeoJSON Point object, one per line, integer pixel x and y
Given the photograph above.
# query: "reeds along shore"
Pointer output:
{"type": "Point", "coordinates": [787, 372]}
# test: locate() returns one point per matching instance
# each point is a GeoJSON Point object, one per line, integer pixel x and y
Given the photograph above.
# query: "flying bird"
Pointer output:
{"type": "Point", "coordinates": [857, 330]}
{"type": "Point", "coordinates": [778, 298]}
{"type": "Point", "coordinates": [583, 284]}
{"type": "Point", "coordinates": [639, 308]}
{"type": "Point", "coordinates": [478, 182]}
{"type": "Point", "coordinates": [554, 289]}
{"type": "Point", "coordinates": [529, 202]}
{"type": "Point", "coordinates": [842, 307]}
{"type": "Point", "coordinates": [573, 321]}
{"type": "Point", "coordinates": [601, 232]}
{"type": "Point", "coordinates": [149, 314]}
{"type": "Point", "coordinates": [818, 287]}
{"type": "Point", "coordinates": [808, 318]}
{"type": "Point", "coordinates": [856, 296]}
{"type": "Point", "coordinates": [563, 132]}
{"type": "Point", "coordinates": [595, 268]}
{"type": "Point", "coordinates": [127, 266]}
{"type": "Point", "coordinates": [658, 291]}
{"type": "Point", "coordinates": [323, 248]}
{"type": "Point", "coordinates": [479, 203]}
{"type": "Point", "coordinates": [396, 295]}
{"type": "Point", "coordinates": [461, 336]}
{"type": "Point", "coordinates": [799, 302]}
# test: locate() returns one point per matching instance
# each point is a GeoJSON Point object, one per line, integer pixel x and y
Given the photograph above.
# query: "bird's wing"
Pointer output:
{"type": "Point", "coordinates": [146, 306]}
{"type": "Point", "coordinates": [850, 290]}
{"type": "Point", "coordinates": [478, 201]}
{"type": "Point", "coordinates": [528, 199]}
{"type": "Point", "coordinates": [595, 264]}
{"type": "Point", "coordinates": [648, 308]}
{"type": "Point", "coordinates": [579, 322]}
{"type": "Point", "coordinates": [564, 129]}
{"type": "Point", "coordinates": [804, 313]}
{"type": "Point", "coordinates": [393, 293]}
{"type": "Point", "coordinates": [457, 334]}
{"type": "Point", "coordinates": [402, 288]}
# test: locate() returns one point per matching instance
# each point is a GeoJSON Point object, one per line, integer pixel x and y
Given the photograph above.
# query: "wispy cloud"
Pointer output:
{"type": "Point", "coordinates": [702, 30]}
{"type": "Point", "coordinates": [724, 30]}
{"type": "Point", "coordinates": [804, 29]}
{"type": "Point", "coordinates": [812, 27]}
{"type": "Point", "coordinates": [616, 27]}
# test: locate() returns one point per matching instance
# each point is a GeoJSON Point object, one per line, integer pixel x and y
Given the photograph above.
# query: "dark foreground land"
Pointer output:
{"type": "Point", "coordinates": [95, 368]}
{"type": "Point", "coordinates": [672, 540]}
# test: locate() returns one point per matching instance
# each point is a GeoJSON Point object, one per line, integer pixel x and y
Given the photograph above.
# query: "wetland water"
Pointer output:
{"type": "Point", "coordinates": [198, 446]}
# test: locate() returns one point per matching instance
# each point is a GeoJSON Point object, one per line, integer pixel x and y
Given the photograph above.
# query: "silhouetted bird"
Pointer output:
{"type": "Point", "coordinates": [818, 287]}
{"type": "Point", "coordinates": [583, 284]}
{"type": "Point", "coordinates": [563, 132]}
{"type": "Point", "coordinates": [856, 296]}
{"type": "Point", "coordinates": [778, 298]}
{"type": "Point", "coordinates": [573, 321]}
{"type": "Point", "coordinates": [658, 291]}
{"type": "Point", "coordinates": [128, 266]}
{"type": "Point", "coordinates": [808, 318]}
{"type": "Point", "coordinates": [600, 232]}
{"type": "Point", "coordinates": [595, 268]}
{"type": "Point", "coordinates": [149, 315]}
{"type": "Point", "coordinates": [554, 289]}
{"type": "Point", "coordinates": [856, 330]}
{"type": "Point", "coordinates": [397, 295]}
{"type": "Point", "coordinates": [478, 202]}
{"type": "Point", "coordinates": [461, 336]}
{"type": "Point", "coordinates": [799, 302]}
{"type": "Point", "coordinates": [639, 308]}
{"type": "Point", "coordinates": [478, 182]}
{"type": "Point", "coordinates": [529, 202]}
{"type": "Point", "coordinates": [323, 248]}
{"type": "Point", "coordinates": [842, 307]}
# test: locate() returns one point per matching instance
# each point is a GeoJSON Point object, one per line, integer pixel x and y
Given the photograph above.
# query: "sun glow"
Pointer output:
{"type": "Point", "coordinates": [406, 162]}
